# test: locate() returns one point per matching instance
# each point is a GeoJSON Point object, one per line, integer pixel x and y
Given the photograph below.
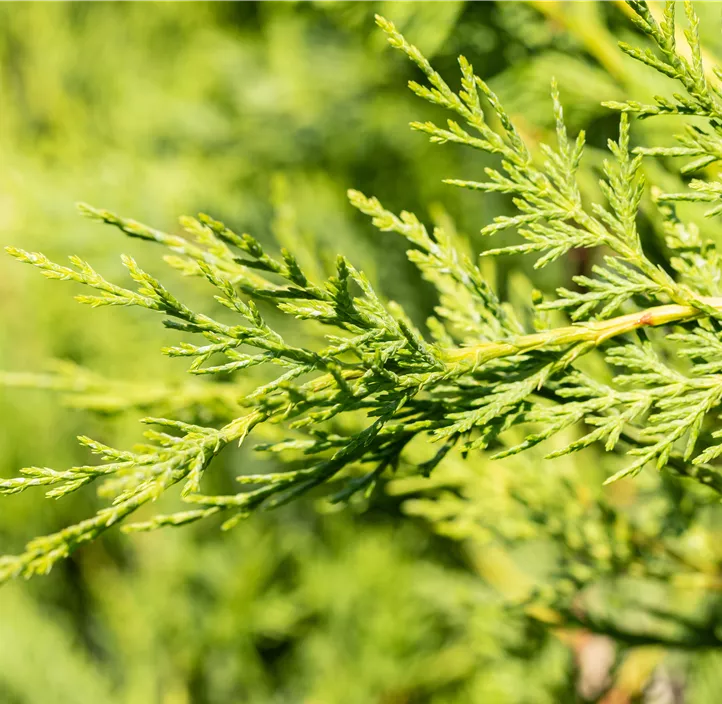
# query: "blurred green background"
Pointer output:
{"type": "Point", "coordinates": [263, 114]}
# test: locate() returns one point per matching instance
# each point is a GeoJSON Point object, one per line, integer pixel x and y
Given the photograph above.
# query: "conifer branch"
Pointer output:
{"type": "Point", "coordinates": [351, 400]}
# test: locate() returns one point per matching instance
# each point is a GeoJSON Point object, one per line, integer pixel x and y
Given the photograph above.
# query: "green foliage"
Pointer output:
{"type": "Point", "coordinates": [382, 367]}
{"type": "Point", "coordinates": [364, 388]}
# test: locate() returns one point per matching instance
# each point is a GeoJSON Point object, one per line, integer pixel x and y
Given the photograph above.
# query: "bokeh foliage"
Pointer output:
{"type": "Point", "coordinates": [263, 114]}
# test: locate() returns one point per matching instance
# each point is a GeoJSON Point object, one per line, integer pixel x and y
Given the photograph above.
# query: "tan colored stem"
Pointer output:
{"type": "Point", "coordinates": [596, 332]}
{"type": "Point", "coordinates": [709, 61]}
{"type": "Point", "coordinates": [601, 44]}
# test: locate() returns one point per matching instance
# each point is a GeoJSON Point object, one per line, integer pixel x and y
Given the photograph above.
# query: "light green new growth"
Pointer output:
{"type": "Point", "coordinates": [480, 371]}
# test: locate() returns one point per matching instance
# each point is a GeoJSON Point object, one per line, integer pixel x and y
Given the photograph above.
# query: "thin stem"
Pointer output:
{"type": "Point", "coordinates": [594, 332]}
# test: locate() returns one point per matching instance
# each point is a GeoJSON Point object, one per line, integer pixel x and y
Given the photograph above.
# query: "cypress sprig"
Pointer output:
{"type": "Point", "coordinates": [350, 401]}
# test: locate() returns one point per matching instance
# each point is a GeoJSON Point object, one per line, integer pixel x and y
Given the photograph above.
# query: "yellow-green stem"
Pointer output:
{"type": "Point", "coordinates": [595, 332]}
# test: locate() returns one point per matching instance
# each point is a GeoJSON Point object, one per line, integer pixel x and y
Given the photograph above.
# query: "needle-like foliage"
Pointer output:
{"type": "Point", "coordinates": [351, 400]}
